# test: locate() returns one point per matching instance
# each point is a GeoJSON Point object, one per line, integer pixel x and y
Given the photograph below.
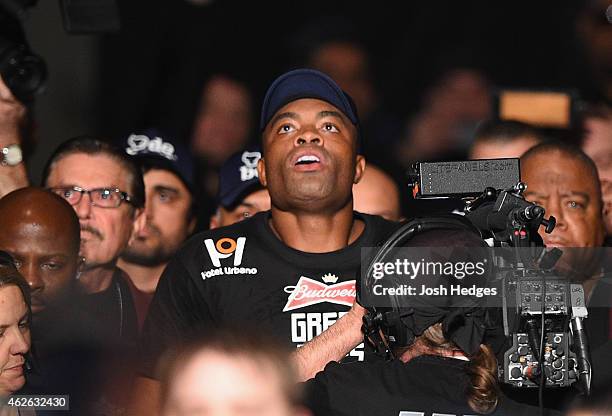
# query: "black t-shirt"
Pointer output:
{"type": "Point", "coordinates": [85, 346]}
{"type": "Point", "coordinates": [244, 275]}
{"type": "Point", "coordinates": [425, 386]}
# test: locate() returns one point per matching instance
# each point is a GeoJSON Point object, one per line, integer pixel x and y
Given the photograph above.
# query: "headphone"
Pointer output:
{"type": "Point", "coordinates": [387, 321]}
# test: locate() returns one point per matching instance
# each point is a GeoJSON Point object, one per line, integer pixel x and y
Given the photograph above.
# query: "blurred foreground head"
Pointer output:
{"type": "Point", "coordinates": [230, 373]}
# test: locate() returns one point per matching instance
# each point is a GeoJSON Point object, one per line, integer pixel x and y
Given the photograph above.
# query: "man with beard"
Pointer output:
{"type": "Point", "coordinates": [169, 211]}
{"type": "Point", "coordinates": [106, 190]}
{"type": "Point", "coordinates": [291, 271]}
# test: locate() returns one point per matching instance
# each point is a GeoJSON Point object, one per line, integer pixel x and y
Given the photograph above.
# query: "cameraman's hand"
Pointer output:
{"type": "Point", "coordinates": [12, 114]}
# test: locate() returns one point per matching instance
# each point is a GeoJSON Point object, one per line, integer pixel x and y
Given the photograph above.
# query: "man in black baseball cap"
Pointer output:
{"type": "Point", "coordinates": [240, 193]}
{"type": "Point", "coordinates": [289, 272]}
{"type": "Point", "coordinates": [170, 213]}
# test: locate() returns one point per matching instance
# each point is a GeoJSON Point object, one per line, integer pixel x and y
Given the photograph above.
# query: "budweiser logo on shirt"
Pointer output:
{"type": "Point", "coordinates": [310, 292]}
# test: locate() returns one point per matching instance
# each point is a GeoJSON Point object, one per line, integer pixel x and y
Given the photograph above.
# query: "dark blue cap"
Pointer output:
{"type": "Point", "coordinates": [238, 177]}
{"type": "Point", "coordinates": [152, 148]}
{"type": "Point", "coordinates": [305, 83]}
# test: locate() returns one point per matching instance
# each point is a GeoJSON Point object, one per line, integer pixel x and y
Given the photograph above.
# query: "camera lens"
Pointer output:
{"type": "Point", "coordinates": [23, 72]}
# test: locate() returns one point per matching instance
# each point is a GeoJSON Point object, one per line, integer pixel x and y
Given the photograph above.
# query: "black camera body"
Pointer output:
{"type": "Point", "coordinates": [536, 299]}
{"type": "Point", "coordinates": [23, 71]}
{"type": "Point", "coordinates": [542, 314]}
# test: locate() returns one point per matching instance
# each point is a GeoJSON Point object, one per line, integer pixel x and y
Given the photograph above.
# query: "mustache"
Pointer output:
{"type": "Point", "coordinates": [93, 231]}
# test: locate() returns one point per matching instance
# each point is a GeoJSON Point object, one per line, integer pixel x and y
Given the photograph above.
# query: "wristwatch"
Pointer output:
{"type": "Point", "coordinates": [11, 155]}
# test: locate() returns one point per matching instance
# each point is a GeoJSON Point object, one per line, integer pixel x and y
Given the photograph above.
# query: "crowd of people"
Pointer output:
{"type": "Point", "coordinates": [138, 281]}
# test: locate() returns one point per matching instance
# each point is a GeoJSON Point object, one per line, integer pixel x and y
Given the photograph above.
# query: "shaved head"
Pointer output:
{"type": "Point", "coordinates": [42, 233]}
{"type": "Point", "coordinates": [377, 194]}
{"type": "Point", "coordinates": [563, 180]}
{"type": "Point", "coordinates": [552, 152]}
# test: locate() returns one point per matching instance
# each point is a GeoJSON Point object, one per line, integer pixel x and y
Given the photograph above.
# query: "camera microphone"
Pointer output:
{"type": "Point", "coordinates": [581, 346]}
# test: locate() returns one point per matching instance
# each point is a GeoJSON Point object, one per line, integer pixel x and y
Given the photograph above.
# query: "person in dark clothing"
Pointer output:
{"type": "Point", "coordinates": [106, 190]}
{"type": "Point", "coordinates": [438, 362]}
{"type": "Point", "coordinates": [291, 270]}
{"type": "Point", "coordinates": [170, 211]}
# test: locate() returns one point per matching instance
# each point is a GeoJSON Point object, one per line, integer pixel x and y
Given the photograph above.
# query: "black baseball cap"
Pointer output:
{"type": "Point", "coordinates": [152, 148]}
{"type": "Point", "coordinates": [238, 177]}
{"type": "Point", "coordinates": [307, 83]}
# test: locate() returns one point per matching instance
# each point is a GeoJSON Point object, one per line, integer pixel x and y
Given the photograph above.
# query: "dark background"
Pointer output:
{"type": "Point", "coordinates": [151, 72]}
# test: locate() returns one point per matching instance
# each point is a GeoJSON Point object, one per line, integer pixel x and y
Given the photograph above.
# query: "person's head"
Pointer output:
{"type": "Point", "coordinates": [230, 373]}
{"type": "Point", "coordinates": [41, 232]}
{"type": "Point", "coordinates": [14, 326]}
{"type": "Point", "coordinates": [593, 29]}
{"type": "Point", "coordinates": [106, 190]}
{"type": "Point", "coordinates": [496, 139]}
{"type": "Point", "coordinates": [563, 179]}
{"type": "Point", "coordinates": [224, 120]}
{"type": "Point", "coordinates": [310, 144]}
{"type": "Point", "coordinates": [240, 193]}
{"type": "Point", "coordinates": [333, 45]}
{"type": "Point", "coordinates": [597, 139]}
{"type": "Point", "coordinates": [597, 143]}
{"type": "Point", "coordinates": [167, 169]}
{"type": "Point", "coordinates": [377, 194]}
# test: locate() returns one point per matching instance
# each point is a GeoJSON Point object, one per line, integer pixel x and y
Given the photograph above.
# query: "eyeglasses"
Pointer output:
{"type": "Point", "coordinates": [99, 197]}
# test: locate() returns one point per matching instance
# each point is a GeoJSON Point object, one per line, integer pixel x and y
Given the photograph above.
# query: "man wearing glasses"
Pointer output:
{"type": "Point", "coordinates": [106, 190]}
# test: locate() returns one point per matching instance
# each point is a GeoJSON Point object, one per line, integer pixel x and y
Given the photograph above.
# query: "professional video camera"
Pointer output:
{"type": "Point", "coordinates": [542, 312]}
{"type": "Point", "coordinates": [23, 71]}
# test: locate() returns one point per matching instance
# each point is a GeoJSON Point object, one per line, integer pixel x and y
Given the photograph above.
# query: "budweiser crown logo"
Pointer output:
{"type": "Point", "coordinates": [310, 292]}
{"type": "Point", "coordinates": [330, 278]}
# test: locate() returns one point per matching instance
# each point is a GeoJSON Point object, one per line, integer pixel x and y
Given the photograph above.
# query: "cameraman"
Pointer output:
{"type": "Point", "coordinates": [442, 367]}
{"type": "Point", "coordinates": [13, 173]}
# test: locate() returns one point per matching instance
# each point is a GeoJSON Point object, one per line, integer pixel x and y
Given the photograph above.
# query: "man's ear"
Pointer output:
{"type": "Point", "coordinates": [360, 167]}
{"type": "Point", "coordinates": [261, 171]}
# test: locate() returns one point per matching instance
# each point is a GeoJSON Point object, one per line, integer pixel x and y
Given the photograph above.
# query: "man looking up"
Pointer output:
{"type": "Point", "coordinates": [169, 211]}
{"type": "Point", "coordinates": [240, 193]}
{"type": "Point", "coordinates": [41, 232]}
{"type": "Point", "coordinates": [290, 270]}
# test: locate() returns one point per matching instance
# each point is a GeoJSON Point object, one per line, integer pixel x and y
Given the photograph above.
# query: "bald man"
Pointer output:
{"type": "Point", "coordinates": [41, 231]}
{"type": "Point", "coordinates": [377, 194]}
{"type": "Point", "coordinates": [564, 181]}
